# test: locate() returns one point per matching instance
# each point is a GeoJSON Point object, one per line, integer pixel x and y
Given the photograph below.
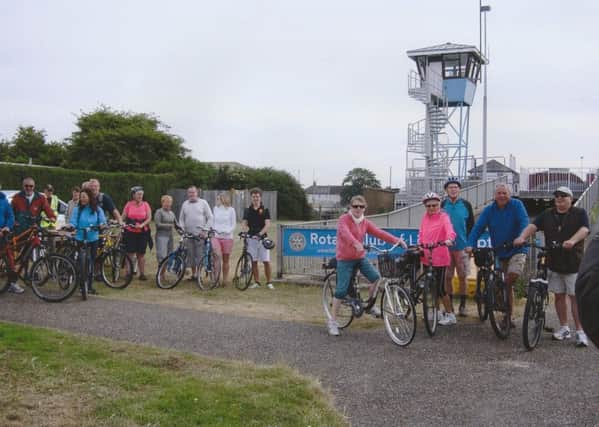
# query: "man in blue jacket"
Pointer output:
{"type": "Point", "coordinates": [505, 219]}
{"type": "Point", "coordinates": [7, 221]}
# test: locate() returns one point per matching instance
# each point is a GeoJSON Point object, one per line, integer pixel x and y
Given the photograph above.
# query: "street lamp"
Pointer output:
{"type": "Point", "coordinates": [483, 11]}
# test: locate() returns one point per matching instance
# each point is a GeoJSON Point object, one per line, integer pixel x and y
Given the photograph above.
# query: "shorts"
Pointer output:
{"type": "Point", "coordinates": [224, 246]}
{"type": "Point", "coordinates": [344, 271]}
{"type": "Point", "coordinates": [195, 250]}
{"type": "Point", "coordinates": [562, 283]}
{"type": "Point", "coordinates": [258, 252]}
{"type": "Point", "coordinates": [136, 243]}
{"type": "Point", "coordinates": [514, 265]}
{"type": "Point", "coordinates": [460, 262]}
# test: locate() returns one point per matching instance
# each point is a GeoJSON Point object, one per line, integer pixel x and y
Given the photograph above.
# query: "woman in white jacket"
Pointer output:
{"type": "Point", "coordinates": [225, 221]}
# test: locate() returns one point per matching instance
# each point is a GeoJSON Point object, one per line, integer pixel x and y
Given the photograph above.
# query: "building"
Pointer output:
{"type": "Point", "coordinates": [495, 170]}
{"type": "Point", "coordinates": [325, 199]}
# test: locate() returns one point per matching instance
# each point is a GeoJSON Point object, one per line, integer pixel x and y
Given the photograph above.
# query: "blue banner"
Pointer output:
{"type": "Point", "coordinates": [321, 242]}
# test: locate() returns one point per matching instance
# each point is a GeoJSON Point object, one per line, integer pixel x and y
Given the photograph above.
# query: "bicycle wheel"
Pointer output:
{"type": "Point", "coordinates": [345, 314]}
{"type": "Point", "coordinates": [117, 268]}
{"type": "Point", "coordinates": [170, 271]}
{"type": "Point", "coordinates": [499, 314]}
{"type": "Point", "coordinates": [209, 272]}
{"type": "Point", "coordinates": [480, 296]}
{"type": "Point", "coordinates": [4, 275]}
{"type": "Point", "coordinates": [399, 314]}
{"type": "Point", "coordinates": [53, 278]}
{"type": "Point", "coordinates": [534, 318]}
{"type": "Point", "coordinates": [429, 305]}
{"type": "Point", "coordinates": [243, 272]}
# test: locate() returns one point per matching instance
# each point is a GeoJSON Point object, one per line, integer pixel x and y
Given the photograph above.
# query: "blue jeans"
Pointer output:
{"type": "Point", "coordinates": [344, 271]}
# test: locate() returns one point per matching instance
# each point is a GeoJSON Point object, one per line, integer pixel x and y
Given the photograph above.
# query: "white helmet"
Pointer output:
{"type": "Point", "coordinates": [431, 196]}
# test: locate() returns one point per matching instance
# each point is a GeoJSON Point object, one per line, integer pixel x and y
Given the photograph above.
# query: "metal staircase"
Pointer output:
{"type": "Point", "coordinates": [427, 161]}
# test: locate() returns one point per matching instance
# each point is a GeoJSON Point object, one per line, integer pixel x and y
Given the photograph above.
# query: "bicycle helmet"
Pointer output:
{"type": "Point", "coordinates": [452, 180]}
{"type": "Point", "coordinates": [268, 243]}
{"type": "Point", "coordinates": [431, 196]}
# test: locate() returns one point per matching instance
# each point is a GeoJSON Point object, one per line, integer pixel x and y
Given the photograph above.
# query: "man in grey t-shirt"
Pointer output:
{"type": "Point", "coordinates": [195, 214]}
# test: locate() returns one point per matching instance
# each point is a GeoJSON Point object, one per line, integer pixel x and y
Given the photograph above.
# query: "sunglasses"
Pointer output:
{"type": "Point", "coordinates": [358, 206]}
{"type": "Point", "coordinates": [28, 186]}
{"type": "Point", "coordinates": [435, 205]}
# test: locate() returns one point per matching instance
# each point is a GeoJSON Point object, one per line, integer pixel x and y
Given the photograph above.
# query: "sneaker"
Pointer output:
{"type": "Point", "coordinates": [448, 319]}
{"type": "Point", "coordinates": [562, 334]}
{"type": "Point", "coordinates": [374, 312]}
{"type": "Point", "coordinates": [581, 339]}
{"type": "Point", "coordinates": [143, 277]}
{"type": "Point", "coordinates": [270, 286]}
{"type": "Point", "coordinates": [255, 285]}
{"type": "Point", "coordinates": [333, 327]}
{"type": "Point", "coordinates": [15, 288]}
{"type": "Point", "coordinates": [462, 311]}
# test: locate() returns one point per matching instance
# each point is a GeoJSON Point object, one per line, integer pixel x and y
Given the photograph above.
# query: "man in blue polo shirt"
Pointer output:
{"type": "Point", "coordinates": [505, 218]}
{"type": "Point", "coordinates": [462, 219]}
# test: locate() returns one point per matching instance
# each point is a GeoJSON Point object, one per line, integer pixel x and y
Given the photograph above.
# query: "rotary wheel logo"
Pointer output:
{"type": "Point", "coordinates": [297, 242]}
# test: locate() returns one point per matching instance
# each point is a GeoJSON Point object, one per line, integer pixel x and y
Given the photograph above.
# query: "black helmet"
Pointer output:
{"type": "Point", "coordinates": [268, 243]}
{"type": "Point", "coordinates": [452, 180]}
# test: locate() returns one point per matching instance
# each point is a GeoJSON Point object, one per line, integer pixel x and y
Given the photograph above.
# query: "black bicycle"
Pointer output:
{"type": "Point", "coordinates": [172, 268]}
{"type": "Point", "coordinates": [243, 269]}
{"type": "Point", "coordinates": [423, 289]}
{"type": "Point", "coordinates": [84, 259]}
{"type": "Point", "coordinates": [210, 265]}
{"type": "Point", "coordinates": [537, 298]}
{"type": "Point", "coordinates": [491, 295]}
{"type": "Point", "coordinates": [397, 308]}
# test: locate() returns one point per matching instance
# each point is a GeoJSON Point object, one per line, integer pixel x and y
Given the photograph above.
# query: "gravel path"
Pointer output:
{"type": "Point", "coordinates": [463, 376]}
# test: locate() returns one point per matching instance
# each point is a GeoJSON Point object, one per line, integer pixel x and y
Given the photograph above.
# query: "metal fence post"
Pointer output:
{"type": "Point", "coordinates": [279, 251]}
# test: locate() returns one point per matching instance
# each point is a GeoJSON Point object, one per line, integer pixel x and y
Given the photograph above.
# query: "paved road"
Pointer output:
{"type": "Point", "coordinates": [464, 376]}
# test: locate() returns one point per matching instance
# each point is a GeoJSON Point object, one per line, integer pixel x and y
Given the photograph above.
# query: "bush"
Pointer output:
{"type": "Point", "coordinates": [116, 184]}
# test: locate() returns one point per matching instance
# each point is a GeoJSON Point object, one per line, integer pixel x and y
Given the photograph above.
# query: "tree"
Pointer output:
{"type": "Point", "coordinates": [30, 143]}
{"type": "Point", "coordinates": [356, 181]}
{"type": "Point", "coordinates": [122, 141]}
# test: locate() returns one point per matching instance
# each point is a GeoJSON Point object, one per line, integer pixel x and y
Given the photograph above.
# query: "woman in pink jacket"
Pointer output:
{"type": "Point", "coordinates": [351, 231]}
{"type": "Point", "coordinates": [436, 227]}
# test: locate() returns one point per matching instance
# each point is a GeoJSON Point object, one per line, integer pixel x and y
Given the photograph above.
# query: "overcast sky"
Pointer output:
{"type": "Point", "coordinates": [313, 87]}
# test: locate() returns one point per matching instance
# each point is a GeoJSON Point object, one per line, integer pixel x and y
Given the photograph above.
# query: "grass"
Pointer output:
{"type": "Point", "coordinates": [51, 378]}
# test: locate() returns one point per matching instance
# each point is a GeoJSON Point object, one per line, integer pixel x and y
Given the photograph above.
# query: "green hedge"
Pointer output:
{"type": "Point", "coordinates": [116, 184]}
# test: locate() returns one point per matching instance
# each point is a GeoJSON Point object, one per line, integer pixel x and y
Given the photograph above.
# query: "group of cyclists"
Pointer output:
{"type": "Point", "coordinates": [448, 223]}
{"type": "Point", "coordinates": [89, 210]}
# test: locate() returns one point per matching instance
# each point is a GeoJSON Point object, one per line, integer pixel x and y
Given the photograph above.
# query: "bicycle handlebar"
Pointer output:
{"type": "Point", "coordinates": [246, 235]}
{"type": "Point", "coordinates": [381, 251]}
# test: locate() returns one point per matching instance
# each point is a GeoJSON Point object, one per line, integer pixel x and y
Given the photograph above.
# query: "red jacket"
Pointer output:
{"type": "Point", "coordinates": [28, 213]}
{"type": "Point", "coordinates": [348, 233]}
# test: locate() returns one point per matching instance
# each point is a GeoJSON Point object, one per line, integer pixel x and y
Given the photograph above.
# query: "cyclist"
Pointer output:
{"type": "Point", "coordinates": [53, 202]}
{"type": "Point", "coordinates": [28, 205]}
{"type": "Point", "coordinates": [505, 218]}
{"type": "Point", "coordinates": [436, 227]}
{"type": "Point", "coordinates": [225, 221]}
{"type": "Point", "coordinates": [103, 200]}
{"type": "Point", "coordinates": [137, 214]}
{"type": "Point", "coordinates": [256, 221]}
{"type": "Point", "coordinates": [351, 230]}
{"type": "Point", "coordinates": [462, 219]}
{"type": "Point", "coordinates": [570, 225]}
{"type": "Point", "coordinates": [88, 214]}
{"type": "Point", "coordinates": [7, 221]}
{"type": "Point", "coordinates": [195, 215]}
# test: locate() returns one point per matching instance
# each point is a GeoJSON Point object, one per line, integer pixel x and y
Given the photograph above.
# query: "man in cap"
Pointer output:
{"type": "Point", "coordinates": [569, 226]}
{"type": "Point", "coordinates": [462, 218]}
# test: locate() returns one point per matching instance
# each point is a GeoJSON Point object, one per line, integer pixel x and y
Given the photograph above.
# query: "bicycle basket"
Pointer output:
{"type": "Point", "coordinates": [388, 265]}
{"type": "Point", "coordinates": [483, 257]}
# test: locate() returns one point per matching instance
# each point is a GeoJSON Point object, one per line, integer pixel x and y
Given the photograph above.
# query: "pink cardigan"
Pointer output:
{"type": "Point", "coordinates": [436, 228]}
{"type": "Point", "coordinates": [348, 233]}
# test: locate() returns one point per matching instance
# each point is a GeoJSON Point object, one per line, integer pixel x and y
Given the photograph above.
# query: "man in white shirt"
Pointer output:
{"type": "Point", "coordinates": [195, 214]}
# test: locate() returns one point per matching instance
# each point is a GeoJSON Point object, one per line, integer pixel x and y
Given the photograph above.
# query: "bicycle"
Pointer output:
{"type": "Point", "coordinates": [52, 277]}
{"type": "Point", "coordinates": [537, 298]}
{"type": "Point", "coordinates": [397, 308]}
{"type": "Point", "coordinates": [491, 291]}
{"type": "Point", "coordinates": [243, 269]}
{"type": "Point", "coordinates": [172, 268]}
{"type": "Point", "coordinates": [423, 289]}
{"type": "Point", "coordinates": [114, 265]}
{"type": "Point", "coordinates": [210, 264]}
{"type": "Point", "coordinates": [84, 260]}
